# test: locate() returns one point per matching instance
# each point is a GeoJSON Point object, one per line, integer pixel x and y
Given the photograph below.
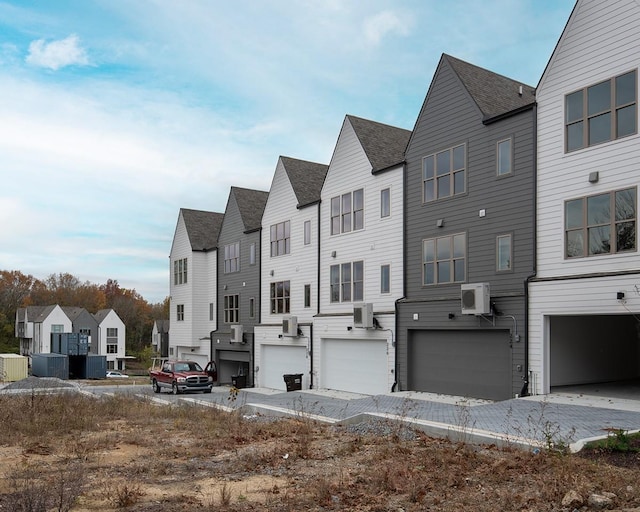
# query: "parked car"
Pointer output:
{"type": "Point", "coordinates": [181, 376]}
{"type": "Point", "coordinates": [111, 374]}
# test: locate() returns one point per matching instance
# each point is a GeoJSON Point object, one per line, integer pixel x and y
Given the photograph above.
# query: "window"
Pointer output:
{"type": "Point", "coordinates": [280, 239]}
{"type": "Point", "coordinates": [112, 340]}
{"type": "Point", "coordinates": [443, 174]}
{"type": "Point", "coordinates": [346, 282]}
{"type": "Point", "coordinates": [444, 259]}
{"type": "Point", "coordinates": [503, 253]}
{"type": "Point", "coordinates": [280, 297]}
{"type": "Point", "coordinates": [601, 112]}
{"type": "Point", "coordinates": [232, 258]}
{"type": "Point", "coordinates": [57, 328]}
{"type": "Point", "coordinates": [307, 295]}
{"type": "Point", "coordinates": [231, 309]}
{"type": "Point", "coordinates": [307, 232]}
{"type": "Point", "coordinates": [180, 271]}
{"type": "Point", "coordinates": [504, 157]}
{"type": "Point", "coordinates": [347, 212]}
{"type": "Point", "coordinates": [601, 224]}
{"type": "Point", "coordinates": [252, 307]}
{"type": "Point", "coordinates": [385, 202]}
{"type": "Point", "coordinates": [385, 279]}
{"type": "Point", "coordinates": [212, 312]}
{"type": "Point", "coordinates": [252, 254]}
{"type": "Point", "coordinates": [180, 312]}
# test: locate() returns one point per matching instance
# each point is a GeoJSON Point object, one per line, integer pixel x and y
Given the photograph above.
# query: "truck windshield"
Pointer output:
{"type": "Point", "coordinates": [188, 367]}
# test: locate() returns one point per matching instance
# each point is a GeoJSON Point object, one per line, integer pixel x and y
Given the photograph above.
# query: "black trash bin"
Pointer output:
{"type": "Point", "coordinates": [293, 381]}
{"type": "Point", "coordinates": [239, 381]}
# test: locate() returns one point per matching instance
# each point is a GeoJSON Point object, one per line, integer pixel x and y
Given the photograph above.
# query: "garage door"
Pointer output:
{"type": "Point", "coordinates": [278, 360]}
{"type": "Point", "coordinates": [201, 359]}
{"type": "Point", "coordinates": [358, 366]}
{"type": "Point", "coordinates": [474, 364]}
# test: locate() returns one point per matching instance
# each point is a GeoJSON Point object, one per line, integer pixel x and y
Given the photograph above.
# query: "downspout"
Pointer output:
{"type": "Point", "coordinates": [525, 386]}
{"type": "Point", "coordinates": [395, 386]}
{"type": "Point", "coordinates": [317, 300]}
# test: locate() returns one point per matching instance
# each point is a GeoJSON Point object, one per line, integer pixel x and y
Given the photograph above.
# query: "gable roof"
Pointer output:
{"type": "Point", "coordinates": [383, 144]}
{"type": "Point", "coordinates": [202, 228]}
{"type": "Point", "coordinates": [494, 94]}
{"type": "Point", "coordinates": [162, 325]}
{"type": "Point", "coordinates": [73, 312]}
{"type": "Point", "coordinates": [306, 179]}
{"type": "Point", "coordinates": [251, 205]}
{"type": "Point", "coordinates": [39, 313]}
{"type": "Point", "coordinates": [102, 314]}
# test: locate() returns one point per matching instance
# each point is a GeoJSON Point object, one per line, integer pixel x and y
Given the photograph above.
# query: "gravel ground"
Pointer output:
{"type": "Point", "coordinates": [37, 383]}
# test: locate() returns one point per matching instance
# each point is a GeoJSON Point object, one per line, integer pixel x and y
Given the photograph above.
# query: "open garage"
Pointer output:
{"type": "Point", "coordinates": [279, 360]}
{"type": "Point", "coordinates": [470, 363]}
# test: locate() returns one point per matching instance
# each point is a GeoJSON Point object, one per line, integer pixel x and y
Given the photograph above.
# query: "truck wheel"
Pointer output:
{"type": "Point", "coordinates": [156, 388]}
{"type": "Point", "coordinates": [174, 388]}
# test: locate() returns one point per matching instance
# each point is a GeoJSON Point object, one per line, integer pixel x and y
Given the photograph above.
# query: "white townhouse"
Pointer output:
{"type": "Point", "coordinates": [361, 259]}
{"type": "Point", "coordinates": [193, 281]}
{"type": "Point", "coordinates": [289, 270]}
{"type": "Point", "coordinates": [584, 301]}
{"type": "Point", "coordinates": [112, 335]}
{"type": "Point", "coordinates": [35, 324]}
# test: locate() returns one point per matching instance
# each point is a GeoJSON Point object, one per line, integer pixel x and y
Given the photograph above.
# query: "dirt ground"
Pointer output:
{"type": "Point", "coordinates": [122, 454]}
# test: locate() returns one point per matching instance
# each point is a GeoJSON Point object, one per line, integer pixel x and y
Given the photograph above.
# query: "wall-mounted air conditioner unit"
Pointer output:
{"type": "Point", "coordinates": [363, 315]}
{"type": "Point", "coordinates": [475, 299]}
{"type": "Point", "coordinates": [236, 334]}
{"type": "Point", "coordinates": [290, 326]}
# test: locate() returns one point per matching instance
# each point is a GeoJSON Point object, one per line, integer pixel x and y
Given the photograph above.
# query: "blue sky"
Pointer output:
{"type": "Point", "coordinates": [114, 114]}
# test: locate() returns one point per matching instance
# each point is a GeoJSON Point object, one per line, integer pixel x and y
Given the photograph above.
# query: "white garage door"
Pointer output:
{"type": "Point", "coordinates": [201, 359]}
{"type": "Point", "coordinates": [358, 366]}
{"type": "Point", "coordinates": [279, 360]}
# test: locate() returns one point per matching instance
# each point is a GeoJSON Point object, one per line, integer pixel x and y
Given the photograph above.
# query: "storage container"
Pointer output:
{"type": "Point", "coordinates": [13, 367]}
{"type": "Point", "coordinates": [70, 343]}
{"type": "Point", "coordinates": [91, 366]}
{"type": "Point", "coordinates": [50, 365]}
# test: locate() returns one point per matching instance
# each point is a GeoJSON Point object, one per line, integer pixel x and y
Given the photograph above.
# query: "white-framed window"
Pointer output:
{"type": "Point", "coordinates": [307, 295]}
{"type": "Point", "coordinates": [252, 254]}
{"type": "Point", "coordinates": [232, 258]}
{"type": "Point", "coordinates": [212, 311]}
{"type": "Point", "coordinates": [307, 232]}
{"type": "Point", "coordinates": [57, 328]}
{"type": "Point", "coordinates": [444, 259]}
{"type": "Point", "coordinates": [385, 202]}
{"type": "Point", "coordinates": [444, 174]}
{"type": "Point", "coordinates": [280, 238]}
{"type": "Point", "coordinates": [601, 112]}
{"type": "Point", "coordinates": [252, 307]}
{"type": "Point", "coordinates": [180, 271]}
{"type": "Point", "coordinates": [601, 224]}
{"type": "Point", "coordinates": [504, 253]}
{"type": "Point", "coordinates": [346, 282]}
{"type": "Point", "coordinates": [180, 312]}
{"type": "Point", "coordinates": [385, 279]}
{"type": "Point", "coordinates": [347, 212]}
{"type": "Point", "coordinates": [112, 340]}
{"type": "Point", "coordinates": [231, 309]}
{"type": "Point", "coordinates": [504, 157]}
{"type": "Point", "coordinates": [280, 297]}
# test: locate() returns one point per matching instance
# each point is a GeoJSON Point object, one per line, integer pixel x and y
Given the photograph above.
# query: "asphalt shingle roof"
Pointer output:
{"type": "Point", "coordinates": [494, 94]}
{"type": "Point", "coordinates": [383, 144]}
{"type": "Point", "coordinates": [202, 228]}
{"type": "Point", "coordinates": [251, 205]}
{"type": "Point", "coordinates": [306, 179]}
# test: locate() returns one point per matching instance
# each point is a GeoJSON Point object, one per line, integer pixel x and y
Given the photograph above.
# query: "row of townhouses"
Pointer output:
{"type": "Point", "coordinates": [35, 324]}
{"type": "Point", "coordinates": [489, 252]}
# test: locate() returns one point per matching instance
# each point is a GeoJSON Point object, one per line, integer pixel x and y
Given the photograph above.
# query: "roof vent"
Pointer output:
{"type": "Point", "coordinates": [520, 91]}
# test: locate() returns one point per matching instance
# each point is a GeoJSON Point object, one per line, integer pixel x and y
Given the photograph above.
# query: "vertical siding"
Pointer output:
{"type": "Point", "coordinates": [601, 41]}
{"type": "Point", "coordinates": [450, 117]}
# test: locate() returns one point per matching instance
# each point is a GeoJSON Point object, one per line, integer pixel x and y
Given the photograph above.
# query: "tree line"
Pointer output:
{"type": "Point", "coordinates": [18, 290]}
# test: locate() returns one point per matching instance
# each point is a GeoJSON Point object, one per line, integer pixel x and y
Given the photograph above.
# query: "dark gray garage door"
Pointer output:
{"type": "Point", "coordinates": [474, 364]}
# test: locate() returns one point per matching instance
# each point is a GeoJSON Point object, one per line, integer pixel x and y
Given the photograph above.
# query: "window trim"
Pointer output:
{"type": "Point", "coordinates": [231, 308]}
{"type": "Point", "coordinates": [452, 259]}
{"type": "Point", "coordinates": [612, 225]}
{"type": "Point", "coordinates": [612, 110]}
{"type": "Point", "coordinates": [252, 254]}
{"type": "Point", "coordinates": [499, 157]}
{"type": "Point", "coordinates": [229, 259]}
{"type": "Point", "coordinates": [384, 291]}
{"type": "Point", "coordinates": [349, 282]}
{"type": "Point", "coordinates": [180, 271]}
{"type": "Point", "coordinates": [451, 173]}
{"type": "Point", "coordinates": [276, 240]}
{"type": "Point", "coordinates": [385, 209]}
{"type": "Point", "coordinates": [346, 212]}
{"type": "Point", "coordinates": [307, 232]}
{"type": "Point", "coordinates": [276, 300]}
{"type": "Point", "coordinates": [307, 296]}
{"type": "Point", "coordinates": [179, 312]}
{"type": "Point", "coordinates": [498, 238]}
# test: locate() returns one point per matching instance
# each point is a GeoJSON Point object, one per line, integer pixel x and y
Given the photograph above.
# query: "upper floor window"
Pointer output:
{"type": "Point", "coordinates": [347, 212]}
{"type": "Point", "coordinates": [252, 254]}
{"type": "Point", "coordinates": [232, 258]}
{"type": "Point", "coordinates": [280, 238]}
{"type": "Point", "coordinates": [180, 312]}
{"type": "Point", "coordinates": [212, 312]}
{"type": "Point", "coordinates": [112, 340]}
{"type": "Point", "coordinates": [601, 112]}
{"type": "Point", "coordinates": [231, 309]}
{"type": "Point", "coordinates": [307, 295]}
{"type": "Point", "coordinates": [503, 253]}
{"type": "Point", "coordinates": [307, 232]}
{"type": "Point", "coordinates": [444, 259]}
{"type": "Point", "coordinates": [252, 307]}
{"type": "Point", "coordinates": [504, 157]}
{"type": "Point", "coordinates": [385, 202]}
{"type": "Point", "coordinates": [601, 224]}
{"type": "Point", "coordinates": [57, 328]}
{"type": "Point", "coordinates": [180, 271]}
{"type": "Point", "coordinates": [280, 297]}
{"type": "Point", "coordinates": [443, 174]}
{"type": "Point", "coordinates": [385, 279]}
{"type": "Point", "coordinates": [346, 282]}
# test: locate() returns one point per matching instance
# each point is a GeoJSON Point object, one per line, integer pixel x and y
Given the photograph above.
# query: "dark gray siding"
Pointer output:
{"type": "Point", "coordinates": [451, 117]}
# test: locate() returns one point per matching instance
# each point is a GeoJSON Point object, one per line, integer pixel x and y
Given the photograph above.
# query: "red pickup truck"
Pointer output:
{"type": "Point", "coordinates": [181, 376]}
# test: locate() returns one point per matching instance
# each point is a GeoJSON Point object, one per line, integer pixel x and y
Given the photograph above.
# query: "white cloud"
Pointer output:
{"type": "Point", "coordinates": [377, 27]}
{"type": "Point", "coordinates": [57, 54]}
